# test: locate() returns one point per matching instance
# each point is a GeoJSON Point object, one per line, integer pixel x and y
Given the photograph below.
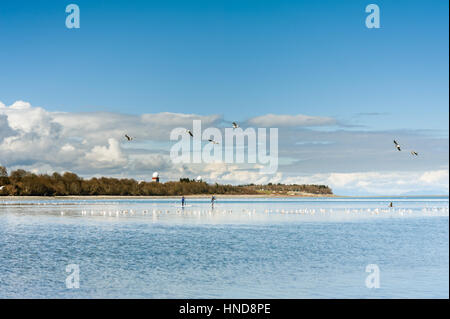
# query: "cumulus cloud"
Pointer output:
{"type": "Point", "coordinates": [27, 134]}
{"type": "Point", "coordinates": [107, 156]}
{"type": "Point", "coordinates": [380, 183]}
{"type": "Point", "coordinates": [89, 143]}
{"type": "Point", "coordinates": [439, 177]}
{"type": "Point", "coordinates": [280, 120]}
{"type": "Point", "coordinates": [226, 173]}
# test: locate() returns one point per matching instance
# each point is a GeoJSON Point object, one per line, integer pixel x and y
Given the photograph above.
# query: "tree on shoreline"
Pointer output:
{"type": "Point", "coordinates": [3, 175]}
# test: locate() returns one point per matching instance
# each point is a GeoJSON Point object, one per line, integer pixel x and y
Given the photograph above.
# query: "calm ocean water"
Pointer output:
{"type": "Point", "coordinates": [244, 248]}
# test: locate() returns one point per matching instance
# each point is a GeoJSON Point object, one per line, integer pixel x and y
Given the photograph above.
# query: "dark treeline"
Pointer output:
{"type": "Point", "coordinates": [23, 183]}
{"type": "Point", "coordinates": [293, 188]}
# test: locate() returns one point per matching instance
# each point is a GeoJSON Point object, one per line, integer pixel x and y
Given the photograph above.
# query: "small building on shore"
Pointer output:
{"type": "Point", "coordinates": [155, 177]}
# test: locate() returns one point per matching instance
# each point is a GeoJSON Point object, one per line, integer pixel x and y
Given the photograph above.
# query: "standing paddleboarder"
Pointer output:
{"type": "Point", "coordinates": [213, 199]}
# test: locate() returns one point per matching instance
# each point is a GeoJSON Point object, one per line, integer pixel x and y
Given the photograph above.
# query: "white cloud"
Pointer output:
{"type": "Point", "coordinates": [435, 177]}
{"type": "Point", "coordinates": [95, 126]}
{"type": "Point", "coordinates": [26, 119]}
{"type": "Point", "coordinates": [68, 148]}
{"type": "Point", "coordinates": [380, 183]}
{"type": "Point", "coordinates": [83, 141]}
{"type": "Point", "coordinates": [279, 120]}
{"type": "Point", "coordinates": [107, 156]}
{"type": "Point", "coordinates": [177, 119]}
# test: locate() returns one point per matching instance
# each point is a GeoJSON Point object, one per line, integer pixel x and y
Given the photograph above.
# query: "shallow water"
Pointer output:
{"type": "Point", "coordinates": [244, 248]}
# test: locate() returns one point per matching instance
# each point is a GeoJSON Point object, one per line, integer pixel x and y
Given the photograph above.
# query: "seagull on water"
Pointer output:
{"type": "Point", "coordinates": [129, 138]}
{"type": "Point", "coordinates": [414, 153]}
{"type": "Point", "coordinates": [397, 145]}
{"type": "Point", "coordinates": [235, 125]}
{"type": "Point", "coordinates": [190, 133]}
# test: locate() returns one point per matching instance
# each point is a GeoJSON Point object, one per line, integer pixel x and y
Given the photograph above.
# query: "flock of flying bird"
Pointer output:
{"type": "Point", "coordinates": [413, 153]}
{"type": "Point", "coordinates": [235, 125]}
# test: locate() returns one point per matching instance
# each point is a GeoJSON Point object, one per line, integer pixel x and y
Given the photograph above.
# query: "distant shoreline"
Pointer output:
{"type": "Point", "coordinates": [165, 196]}
{"type": "Point", "coordinates": [218, 196]}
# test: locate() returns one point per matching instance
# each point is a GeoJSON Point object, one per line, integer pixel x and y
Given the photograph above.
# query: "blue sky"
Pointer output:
{"type": "Point", "coordinates": [238, 59]}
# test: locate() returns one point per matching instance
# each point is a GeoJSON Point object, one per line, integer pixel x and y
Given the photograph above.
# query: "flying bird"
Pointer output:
{"type": "Point", "coordinates": [397, 145]}
{"type": "Point", "coordinates": [235, 125]}
{"type": "Point", "coordinates": [413, 153]}
{"type": "Point", "coordinates": [212, 141]}
{"type": "Point", "coordinates": [190, 133]}
{"type": "Point", "coordinates": [129, 138]}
